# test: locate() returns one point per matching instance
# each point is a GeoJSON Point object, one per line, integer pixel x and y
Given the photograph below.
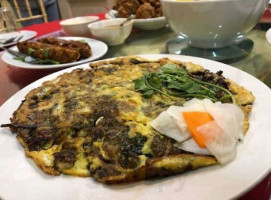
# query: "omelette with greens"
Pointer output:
{"type": "Point", "coordinates": [97, 122]}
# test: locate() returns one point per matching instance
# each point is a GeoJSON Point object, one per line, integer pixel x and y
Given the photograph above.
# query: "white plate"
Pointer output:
{"type": "Point", "coordinates": [98, 49]}
{"type": "Point", "coordinates": [146, 24]}
{"type": "Point", "coordinates": [27, 35]}
{"type": "Point", "coordinates": [20, 178]}
{"type": "Point", "coordinates": [268, 35]}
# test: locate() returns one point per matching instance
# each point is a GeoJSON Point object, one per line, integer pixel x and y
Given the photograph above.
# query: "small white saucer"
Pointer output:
{"type": "Point", "coordinates": [268, 35]}
{"type": "Point", "coordinates": [145, 24]}
{"type": "Point", "coordinates": [27, 35]}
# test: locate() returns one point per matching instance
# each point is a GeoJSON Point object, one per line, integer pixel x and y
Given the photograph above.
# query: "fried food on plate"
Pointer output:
{"type": "Point", "coordinates": [48, 52]}
{"type": "Point", "coordinates": [119, 121]}
{"type": "Point", "coordinates": [59, 50]}
{"type": "Point", "coordinates": [126, 8]}
{"type": "Point", "coordinates": [143, 9]}
{"type": "Point", "coordinates": [83, 47]}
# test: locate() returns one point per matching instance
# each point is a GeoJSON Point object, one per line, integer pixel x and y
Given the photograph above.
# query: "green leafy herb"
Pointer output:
{"type": "Point", "coordinates": [37, 61]}
{"type": "Point", "coordinates": [21, 58]}
{"type": "Point", "coordinates": [83, 41]}
{"type": "Point", "coordinates": [171, 80]}
{"type": "Point", "coordinates": [140, 85]}
{"type": "Point", "coordinates": [30, 51]}
{"type": "Point", "coordinates": [149, 85]}
{"type": "Point", "coordinates": [173, 69]}
{"type": "Point", "coordinates": [45, 62]}
{"type": "Point", "coordinates": [45, 52]}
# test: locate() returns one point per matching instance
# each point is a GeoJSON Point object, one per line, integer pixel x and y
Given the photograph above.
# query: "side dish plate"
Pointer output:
{"type": "Point", "coordinates": [98, 49]}
{"type": "Point", "coordinates": [20, 178]}
{"type": "Point", "coordinates": [146, 24]}
{"type": "Point", "coordinates": [21, 35]}
{"type": "Point", "coordinates": [268, 35]}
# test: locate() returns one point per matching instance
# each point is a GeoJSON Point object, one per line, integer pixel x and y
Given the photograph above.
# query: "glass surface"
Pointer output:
{"type": "Point", "coordinates": [181, 46]}
{"type": "Point", "coordinates": [256, 62]}
{"type": "Point", "coordinates": [7, 21]}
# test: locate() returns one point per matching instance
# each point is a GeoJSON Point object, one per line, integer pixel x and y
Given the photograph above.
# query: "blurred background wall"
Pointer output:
{"type": "Point", "coordinates": [74, 8]}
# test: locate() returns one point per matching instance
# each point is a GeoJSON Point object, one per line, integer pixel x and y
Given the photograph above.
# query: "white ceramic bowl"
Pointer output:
{"type": "Point", "coordinates": [268, 35]}
{"type": "Point", "coordinates": [213, 23]}
{"type": "Point", "coordinates": [146, 24]}
{"type": "Point", "coordinates": [110, 32]}
{"type": "Point", "coordinates": [78, 26]}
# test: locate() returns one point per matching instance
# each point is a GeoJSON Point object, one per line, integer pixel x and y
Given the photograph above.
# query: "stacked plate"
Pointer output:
{"type": "Point", "coordinates": [146, 24]}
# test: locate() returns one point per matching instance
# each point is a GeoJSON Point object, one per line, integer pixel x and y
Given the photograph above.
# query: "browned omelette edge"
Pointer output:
{"type": "Point", "coordinates": [163, 166]}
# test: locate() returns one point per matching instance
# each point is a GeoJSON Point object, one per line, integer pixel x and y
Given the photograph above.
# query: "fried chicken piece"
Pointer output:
{"type": "Point", "coordinates": [83, 48]}
{"type": "Point", "coordinates": [157, 4]}
{"type": "Point", "coordinates": [126, 8]}
{"type": "Point", "coordinates": [124, 12]}
{"type": "Point", "coordinates": [121, 2]}
{"type": "Point", "coordinates": [142, 8]}
{"type": "Point", "coordinates": [147, 1]}
{"type": "Point", "coordinates": [145, 11]}
{"type": "Point", "coordinates": [49, 52]}
{"type": "Point", "coordinates": [154, 3]}
{"type": "Point", "coordinates": [159, 12]}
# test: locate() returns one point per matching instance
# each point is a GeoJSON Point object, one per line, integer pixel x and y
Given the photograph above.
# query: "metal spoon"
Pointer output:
{"type": "Point", "coordinates": [19, 38]}
{"type": "Point", "coordinates": [112, 13]}
{"type": "Point", "coordinates": [122, 23]}
{"type": "Point", "coordinates": [10, 40]}
{"type": "Point", "coordinates": [6, 41]}
{"type": "Point", "coordinates": [27, 58]}
{"type": "Point", "coordinates": [128, 19]}
{"type": "Point", "coordinates": [15, 53]}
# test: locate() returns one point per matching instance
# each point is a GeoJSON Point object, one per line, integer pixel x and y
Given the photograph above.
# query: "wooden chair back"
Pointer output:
{"type": "Point", "coordinates": [75, 8]}
{"type": "Point", "coordinates": [31, 16]}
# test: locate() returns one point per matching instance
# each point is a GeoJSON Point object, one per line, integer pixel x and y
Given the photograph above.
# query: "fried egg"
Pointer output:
{"type": "Point", "coordinates": [203, 127]}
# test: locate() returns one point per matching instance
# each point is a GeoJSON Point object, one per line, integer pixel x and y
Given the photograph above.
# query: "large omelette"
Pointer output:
{"type": "Point", "coordinates": [94, 123]}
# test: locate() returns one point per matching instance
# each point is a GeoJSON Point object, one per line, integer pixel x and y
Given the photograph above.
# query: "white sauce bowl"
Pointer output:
{"type": "Point", "coordinates": [110, 30]}
{"type": "Point", "coordinates": [78, 26]}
